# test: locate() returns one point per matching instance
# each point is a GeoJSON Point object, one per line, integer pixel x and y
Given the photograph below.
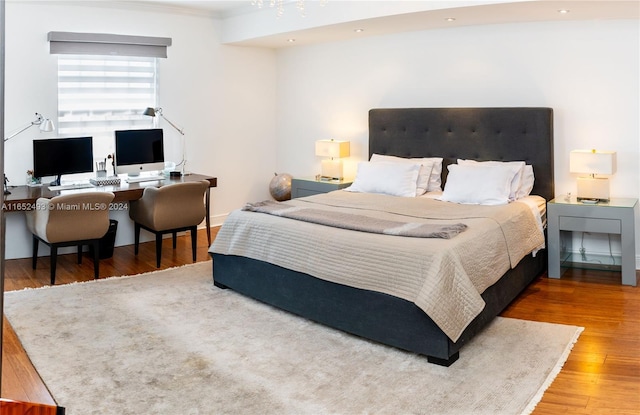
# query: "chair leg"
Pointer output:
{"type": "Point", "coordinates": [174, 235]}
{"type": "Point", "coordinates": [194, 241]}
{"type": "Point", "coordinates": [96, 259]}
{"type": "Point", "coordinates": [34, 260]}
{"type": "Point", "coordinates": [79, 254]}
{"type": "Point", "coordinates": [54, 259]}
{"type": "Point", "coordinates": [158, 248]}
{"type": "Point", "coordinates": [136, 238]}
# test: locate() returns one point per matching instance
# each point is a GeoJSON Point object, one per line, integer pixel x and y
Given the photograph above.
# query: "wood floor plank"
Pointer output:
{"type": "Point", "coordinates": [601, 375]}
{"type": "Point", "coordinates": [29, 386]}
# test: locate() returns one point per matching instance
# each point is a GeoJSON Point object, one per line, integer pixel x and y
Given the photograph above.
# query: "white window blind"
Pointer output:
{"type": "Point", "coordinates": [100, 94]}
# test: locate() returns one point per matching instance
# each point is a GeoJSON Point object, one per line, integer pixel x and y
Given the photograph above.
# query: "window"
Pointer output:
{"type": "Point", "coordinates": [100, 94]}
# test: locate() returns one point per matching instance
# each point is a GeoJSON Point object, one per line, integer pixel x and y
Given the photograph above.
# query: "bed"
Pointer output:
{"type": "Point", "coordinates": [502, 134]}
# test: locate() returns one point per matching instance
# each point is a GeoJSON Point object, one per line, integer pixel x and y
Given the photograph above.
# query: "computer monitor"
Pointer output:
{"type": "Point", "coordinates": [58, 156]}
{"type": "Point", "coordinates": [139, 150]}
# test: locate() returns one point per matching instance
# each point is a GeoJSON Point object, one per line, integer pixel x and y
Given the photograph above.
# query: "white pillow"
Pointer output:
{"type": "Point", "coordinates": [394, 179]}
{"type": "Point", "coordinates": [435, 181]}
{"type": "Point", "coordinates": [516, 183]}
{"type": "Point", "coordinates": [526, 184]}
{"type": "Point", "coordinates": [429, 178]}
{"type": "Point", "coordinates": [479, 184]}
{"type": "Point", "coordinates": [423, 175]}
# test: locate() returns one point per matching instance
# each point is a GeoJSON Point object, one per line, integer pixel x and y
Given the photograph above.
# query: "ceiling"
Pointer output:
{"type": "Point", "coordinates": [245, 24]}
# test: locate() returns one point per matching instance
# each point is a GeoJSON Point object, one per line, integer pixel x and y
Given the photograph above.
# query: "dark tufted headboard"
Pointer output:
{"type": "Point", "coordinates": [503, 134]}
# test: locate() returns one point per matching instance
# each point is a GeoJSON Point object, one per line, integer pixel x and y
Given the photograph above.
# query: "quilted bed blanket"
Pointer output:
{"type": "Point", "coordinates": [443, 277]}
{"type": "Point", "coordinates": [356, 222]}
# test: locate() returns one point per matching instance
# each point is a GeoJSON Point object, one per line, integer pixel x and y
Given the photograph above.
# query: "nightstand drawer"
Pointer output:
{"type": "Point", "coordinates": [301, 192]}
{"type": "Point", "coordinates": [572, 223]}
{"type": "Point", "coordinates": [310, 187]}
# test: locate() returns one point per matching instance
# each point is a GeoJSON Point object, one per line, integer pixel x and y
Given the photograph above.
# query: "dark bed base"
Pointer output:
{"type": "Point", "coordinates": [369, 314]}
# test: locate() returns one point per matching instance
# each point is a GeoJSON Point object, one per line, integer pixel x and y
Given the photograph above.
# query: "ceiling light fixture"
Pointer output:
{"type": "Point", "coordinates": [358, 30]}
{"type": "Point", "coordinates": [279, 5]}
{"type": "Point", "coordinates": [563, 11]}
{"type": "Point", "coordinates": [450, 19]}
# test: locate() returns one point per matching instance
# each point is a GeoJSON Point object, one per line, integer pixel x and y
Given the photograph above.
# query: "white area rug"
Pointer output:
{"type": "Point", "coordinates": [171, 343]}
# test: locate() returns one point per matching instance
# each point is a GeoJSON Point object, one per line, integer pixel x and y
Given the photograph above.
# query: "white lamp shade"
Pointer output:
{"type": "Point", "coordinates": [47, 126]}
{"type": "Point", "coordinates": [332, 148]}
{"type": "Point", "coordinates": [592, 162]}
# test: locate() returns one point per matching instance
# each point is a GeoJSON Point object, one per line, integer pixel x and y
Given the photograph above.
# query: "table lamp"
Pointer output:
{"type": "Point", "coordinates": [592, 162]}
{"type": "Point", "coordinates": [335, 150]}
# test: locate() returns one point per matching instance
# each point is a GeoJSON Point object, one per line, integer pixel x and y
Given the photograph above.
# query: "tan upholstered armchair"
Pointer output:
{"type": "Point", "coordinates": [75, 219]}
{"type": "Point", "coordinates": [169, 209]}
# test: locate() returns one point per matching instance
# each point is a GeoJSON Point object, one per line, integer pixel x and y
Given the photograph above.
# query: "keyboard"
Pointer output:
{"type": "Point", "coordinates": [138, 179]}
{"type": "Point", "coordinates": [71, 186]}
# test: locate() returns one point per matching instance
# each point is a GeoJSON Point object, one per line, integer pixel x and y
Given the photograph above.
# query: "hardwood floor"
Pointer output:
{"type": "Point", "coordinates": [601, 376]}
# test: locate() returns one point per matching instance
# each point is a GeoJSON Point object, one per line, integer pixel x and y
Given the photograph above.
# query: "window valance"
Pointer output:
{"type": "Point", "coordinates": [107, 44]}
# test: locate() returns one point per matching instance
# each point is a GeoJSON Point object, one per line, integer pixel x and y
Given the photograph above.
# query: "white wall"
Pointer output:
{"type": "Point", "coordinates": [221, 95]}
{"type": "Point", "coordinates": [242, 126]}
{"type": "Point", "coordinates": [587, 71]}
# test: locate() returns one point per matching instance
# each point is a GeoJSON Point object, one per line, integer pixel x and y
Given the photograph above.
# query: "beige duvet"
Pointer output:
{"type": "Point", "coordinates": [444, 277]}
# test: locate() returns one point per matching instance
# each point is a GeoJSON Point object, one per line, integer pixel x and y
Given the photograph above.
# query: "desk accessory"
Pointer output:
{"type": "Point", "coordinates": [105, 181]}
{"type": "Point", "coordinates": [101, 168]}
{"type": "Point", "coordinates": [6, 187]}
{"type": "Point", "coordinates": [33, 181]}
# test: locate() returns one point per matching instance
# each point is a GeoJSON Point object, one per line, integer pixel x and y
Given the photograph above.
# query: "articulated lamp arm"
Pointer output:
{"type": "Point", "coordinates": [180, 130]}
{"type": "Point", "coordinates": [152, 112]}
{"type": "Point", "coordinates": [45, 125]}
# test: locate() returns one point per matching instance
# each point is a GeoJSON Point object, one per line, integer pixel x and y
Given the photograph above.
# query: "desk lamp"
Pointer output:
{"type": "Point", "coordinates": [592, 189]}
{"type": "Point", "coordinates": [152, 112]}
{"type": "Point", "coordinates": [46, 125]}
{"type": "Point", "coordinates": [334, 149]}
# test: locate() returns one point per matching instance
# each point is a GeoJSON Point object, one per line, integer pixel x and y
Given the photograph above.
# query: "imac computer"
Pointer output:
{"type": "Point", "coordinates": [139, 151]}
{"type": "Point", "coordinates": [58, 156]}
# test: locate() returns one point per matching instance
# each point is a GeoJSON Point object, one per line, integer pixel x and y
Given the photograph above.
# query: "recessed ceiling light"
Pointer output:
{"type": "Point", "coordinates": [450, 19]}
{"type": "Point", "coordinates": [563, 11]}
{"type": "Point", "coordinates": [358, 30]}
{"type": "Point", "coordinates": [291, 40]}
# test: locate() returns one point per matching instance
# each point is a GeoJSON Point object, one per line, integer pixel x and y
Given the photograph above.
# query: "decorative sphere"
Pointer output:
{"type": "Point", "coordinates": [280, 187]}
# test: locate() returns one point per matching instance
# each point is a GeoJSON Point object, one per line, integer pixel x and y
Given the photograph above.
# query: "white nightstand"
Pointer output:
{"type": "Point", "coordinates": [308, 187]}
{"type": "Point", "coordinates": [613, 217]}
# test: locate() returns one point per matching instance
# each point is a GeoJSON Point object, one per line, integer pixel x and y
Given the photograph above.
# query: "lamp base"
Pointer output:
{"type": "Point", "coordinates": [332, 169]}
{"type": "Point", "coordinates": [593, 188]}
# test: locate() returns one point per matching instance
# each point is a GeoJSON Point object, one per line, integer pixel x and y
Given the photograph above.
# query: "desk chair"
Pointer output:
{"type": "Point", "coordinates": [169, 209]}
{"type": "Point", "coordinates": [75, 219]}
